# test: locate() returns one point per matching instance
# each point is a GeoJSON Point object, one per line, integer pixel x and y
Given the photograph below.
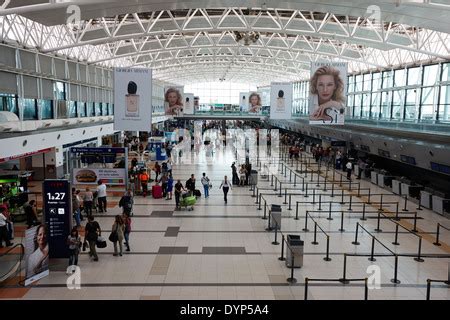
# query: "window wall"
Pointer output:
{"type": "Point", "coordinates": [419, 93]}
{"type": "Point", "coordinates": [219, 92]}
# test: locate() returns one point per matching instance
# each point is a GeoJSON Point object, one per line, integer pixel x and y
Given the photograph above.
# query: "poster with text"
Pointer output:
{"type": "Point", "coordinates": [36, 253]}
{"type": "Point", "coordinates": [174, 101]}
{"type": "Point", "coordinates": [243, 101]}
{"type": "Point", "coordinates": [91, 176]}
{"type": "Point", "coordinates": [188, 103]}
{"type": "Point", "coordinates": [327, 93]}
{"type": "Point", "coordinates": [132, 99]}
{"type": "Point", "coordinates": [280, 100]}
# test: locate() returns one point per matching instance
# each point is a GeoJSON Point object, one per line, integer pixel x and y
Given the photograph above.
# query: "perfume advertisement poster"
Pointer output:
{"type": "Point", "coordinates": [327, 93]}
{"type": "Point", "coordinates": [254, 103]}
{"type": "Point", "coordinates": [188, 103]}
{"type": "Point", "coordinates": [243, 101]}
{"type": "Point", "coordinates": [280, 100]}
{"type": "Point", "coordinates": [174, 101]}
{"type": "Point", "coordinates": [132, 99]}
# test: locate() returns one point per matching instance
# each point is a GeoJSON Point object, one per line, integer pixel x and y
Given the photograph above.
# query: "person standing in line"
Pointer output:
{"type": "Point", "coordinates": [234, 176]}
{"type": "Point", "coordinates": [88, 199]}
{"type": "Point", "coordinates": [349, 167]}
{"type": "Point", "coordinates": [164, 179]}
{"type": "Point", "coordinates": [74, 243]}
{"type": "Point", "coordinates": [119, 228]}
{"type": "Point", "coordinates": [225, 186]}
{"type": "Point", "coordinates": [242, 173]}
{"type": "Point", "coordinates": [205, 182]}
{"type": "Point", "coordinates": [143, 178]}
{"type": "Point", "coordinates": [169, 187]}
{"type": "Point", "coordinates": [157, 170]}
{"type": "Point", "coordinates": [127, 222]}
{"type": "Point", "coordinates": [92, 231]}
{"type": "Point", "coordinates": [178, 189]}
{"type": "Point", "coordinates": [101, 196]}
{"type": "Point", "coordinates": [76, 207]}
{"type": "Point", "coordinates": [3, 229]}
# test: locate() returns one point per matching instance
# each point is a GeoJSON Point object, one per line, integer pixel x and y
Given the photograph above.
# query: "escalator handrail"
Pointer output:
{"type": "Point", "coordinates": [22, 252]}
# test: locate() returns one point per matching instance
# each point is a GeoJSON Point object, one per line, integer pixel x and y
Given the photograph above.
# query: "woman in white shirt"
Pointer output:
{"type": "Point", "coordinates": [225, 186]}
{"type": "Point", "coordinates": [38, 260]}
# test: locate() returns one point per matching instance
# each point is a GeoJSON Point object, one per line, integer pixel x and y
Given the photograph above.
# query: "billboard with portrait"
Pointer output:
{"type": "Point", "coordinates": [188, 103]}
{"type": "Point", "coordinates": [254, 103]}
{"type": "Point", "coordinates": [280, 100]}
{"type": "Point", "coordinates": [174, 101]}
{"type": "Point", "coordinates": [36, 253]}
{"type": "Point", "coordinates": [132, 99]}
{"type": "Point", "coordinates": [327, 93]}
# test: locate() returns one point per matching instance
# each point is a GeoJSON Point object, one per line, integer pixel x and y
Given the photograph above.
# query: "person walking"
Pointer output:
{"type": "Point", "coordinates": [101, 196]}
{"type": "Point", "coordinates": [169, 187]}
{"type": "Point", "coordinates": [349, 167]}
{"type": "Point", "coordinates": [126, 202]}
{"type": "Point", "coordinates": [225, 186]}
{"type": "Point", "coordinates": [190, 184]}
{"type": "Point", "coordinates": [74, 243]}
{"type": "Point", "coordinates": [127, 222]}
{"type": "Point", "coordinates": [118, 227]}
{"type": "Point", "coordinates": [92, 231]}
{"type": "Point", "coordinates": [242, 173]}
{"type": "Point", "coordinates": [76, 207]}
{"type": "Point", "coordinates": [88, 200]}
{"type": "Point", "coordinates": [205, 182]}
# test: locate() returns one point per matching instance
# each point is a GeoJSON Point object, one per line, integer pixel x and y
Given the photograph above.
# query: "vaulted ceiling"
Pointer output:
{"type": "Point", "coordinates": [191, 41]}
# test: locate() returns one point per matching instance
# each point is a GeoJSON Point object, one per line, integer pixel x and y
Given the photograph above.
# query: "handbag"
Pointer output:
{"type": "Point", "coordinates": [113, 237]}
{"type": "Point", "coordinates": [101, 242]}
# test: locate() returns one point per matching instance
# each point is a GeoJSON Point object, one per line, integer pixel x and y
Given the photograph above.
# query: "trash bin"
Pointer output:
{"type": "Point", "coordinates": [275, 216]}
{"type": "Point", "coordinates": [296, 245]}
{"type": "Point", "coordinates": [253, 177]}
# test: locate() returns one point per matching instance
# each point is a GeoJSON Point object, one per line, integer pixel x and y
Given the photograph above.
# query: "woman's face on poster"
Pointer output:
{"type": "Point", "coordinates": [172, 98]}
{"type": "Point", "coordinates": [325, 87]}
{"type": "Point", "coordinates": [254, 100]}
{"type": "Point", "coordinates": [41, 237]}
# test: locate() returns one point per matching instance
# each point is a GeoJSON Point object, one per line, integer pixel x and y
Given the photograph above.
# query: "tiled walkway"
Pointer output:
{"type": "Point", "coordinates": [223, 251]}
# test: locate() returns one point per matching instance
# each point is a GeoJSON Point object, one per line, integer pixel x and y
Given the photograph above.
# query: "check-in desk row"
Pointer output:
{"type": "Point", "coordinates": [427, 199]}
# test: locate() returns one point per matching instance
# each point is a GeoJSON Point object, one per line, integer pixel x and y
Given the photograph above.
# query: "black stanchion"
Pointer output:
{"type": "Point", "coordinates": [350, 202]}
{"type": "Point", "coordinates": [290, 175]}
{"type": "Point", "coordinates": [312, 172]}
{"type": "Point", "coordinates": [281, 186]}
{"type": "Point", "coordinates": [271, 183]}
{"type": "Point", "coordinates": [340, 181]}
{"type": "Point", "coordinates": [254, 188]}
{"type": "Point", "coordinates": [285, 196]}
{"type": "Point", "coordinates": [296, 210]}
{"type": "Point", "coordinates": [292, 279]}
{"type": "Point", "coordinates": [342, 197]}
{"type": "Point", "coordinates": [306, 288]}
{"type": "Point", "coordinates": [428, 288]}
{"type": "Point", "coordinates": [327, 257]}
{"type": "Point", "coordinates": [344, 279]}
{"type": "Point", "coordinates": [395, 280]}
{"type": "Point", "coordinates": [306, 193]}
{"type": "Point", "coordinates": [315, 234]}
{"type": "Point", "coordinates": [269, 227]}
{"type": "Point", "coordinates": [368, 198]}
{"type": "Point", "coordinates": [359, 189]}
{"type": "Point", "coordinates": [342, 222]}
{"type": "Point", "coordinates": [419, 259]}
{"type": "Point", "coordinates": [257, 195]}
{"type": "Point", "coordinates": [406, 202]}
{"type": "Point", "coordinates": [396, 213]}
{"type": "Point", "coordinates": [437, 243]}
{"type": "Point", "coordinates": [320, 202]}
{"type": "Point", "coordinates": [381, 203]}
{"type": "Point", "coordinates": [378, 222]}
{"type": "Point", "coordinates": [372, 250]}
{"type": "Point", "coordinates": [332, 190]}
{"type": "Point", "coordinates": [295, 179]}
{"type": "Point", "coordinates": [366, 289]}
{"type": "Point", "coordinates": [325, 184]}
{"type": "Point", "coordinates": [290, 198]}
{"type": "Point", "coordinates": [318, 178]}
{"type": "Point", "coordinates": [265, 206]}
{"type": "Point", "coordinates": [275, 242]}
{"type": "Point", "coordinates": [282, 249]}
{"type": "Point", "coordinates": [314, 197]}
{"type": "Point", "coordinates": [364, 212]}
{"type": "Point", "coordinates": [350, 185]}
{"type": "Point", "coordinates": [306, 223]}
{"type": "Point", "coordinates": [415, 223]}
{"type": "Point", "coordinates": [356, 243]}
{"type": "Point", "coordinates": [396, 236]}
{"type": "Point", "coordinates": [260, 195]}
{"type": "Point", "coordinates": [329, 212]}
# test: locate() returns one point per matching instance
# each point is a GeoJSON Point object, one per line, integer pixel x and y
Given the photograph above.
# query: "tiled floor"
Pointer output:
{"type": "Point", "coordinates": [223, 251]}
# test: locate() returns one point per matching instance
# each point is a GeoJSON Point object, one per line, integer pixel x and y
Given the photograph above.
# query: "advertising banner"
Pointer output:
{"type": "Point", "coordinates": [91, 176]}
{"type": "Point", "coordinates": [243, 101]}
{"type": "Point", "coordinates": [174, 101]}
{"type": "Point", "coordinates": [132, 99]}
{"type": "Point", "coordinates": [58, 212]}
{"type": "Point", "coordinates": [327, 93]}
{"type": "Point", "coordinates": [254, 103]}
{"type": "Point", "coordinates": [36, 253]}
{"type": "Point", "coordinates": [280, 100]}
{"type": "Point", "coordinates": [188, 103]}
{"type": "Point", "coordinates": [197, 103]}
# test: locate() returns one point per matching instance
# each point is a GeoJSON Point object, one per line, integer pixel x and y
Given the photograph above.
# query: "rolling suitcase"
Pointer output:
{"type": "Point", "coordinates": [190, 201]}
{"type": "Point", "coordinates": [197, 193]}
{"type": "Point", "coordinates": [157, 192]}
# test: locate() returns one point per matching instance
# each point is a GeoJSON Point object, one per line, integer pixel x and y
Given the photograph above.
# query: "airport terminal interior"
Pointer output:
{"type": "Point", "coordinates": [290, 150]}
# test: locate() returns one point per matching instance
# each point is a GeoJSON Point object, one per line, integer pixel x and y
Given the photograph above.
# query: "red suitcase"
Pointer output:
{"type": "Point", "coordinates": [157, 192]}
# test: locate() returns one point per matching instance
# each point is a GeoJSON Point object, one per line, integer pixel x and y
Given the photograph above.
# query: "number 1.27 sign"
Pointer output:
{"type": "Point", "coordinates": [58, 215]}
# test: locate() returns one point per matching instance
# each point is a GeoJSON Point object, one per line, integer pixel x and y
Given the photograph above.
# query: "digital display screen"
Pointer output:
{"type": "Point", "coordinates": [440, 167]}
{"type": "Point", "coordinates": [408, 159]}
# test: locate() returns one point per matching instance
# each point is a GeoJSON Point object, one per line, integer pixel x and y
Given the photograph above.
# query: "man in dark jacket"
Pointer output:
{"type": "Point", "coordinates": [190, 184]}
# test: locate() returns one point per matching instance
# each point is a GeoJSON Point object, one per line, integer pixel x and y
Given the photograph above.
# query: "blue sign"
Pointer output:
{"type": "Point", "coordinates": [97, 150]}
{"type": "Point", "coordinates": [58, 215]}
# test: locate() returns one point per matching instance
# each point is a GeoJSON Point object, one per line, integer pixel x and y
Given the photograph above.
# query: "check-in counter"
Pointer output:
{"type": "Point", "coordinates": [374, 177]}
{"type": "Point", "coordinates": [439, 204]}
{"type": "Point", "coordinates": [396, 186]}
{"type": "Point", "coordinates": [380, 180]}
{"type": "Point", "coordinates": [425, 199]}
{"type": "Point", "coordinates": [404, 189]}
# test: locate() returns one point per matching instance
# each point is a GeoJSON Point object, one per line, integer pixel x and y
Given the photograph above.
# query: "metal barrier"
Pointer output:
{"type": "Point", "coordinates": [316, 225]}
{"type": "Point", "coordinates": [366, 287]}
{"type": "Point", "coordinates": [429, 281]}
{"type": "Point", "coordinates": [437, 243]}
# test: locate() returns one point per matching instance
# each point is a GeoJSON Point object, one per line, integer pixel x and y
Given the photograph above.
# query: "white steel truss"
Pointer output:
{"type": "Point", "coordinates": [183, 45]}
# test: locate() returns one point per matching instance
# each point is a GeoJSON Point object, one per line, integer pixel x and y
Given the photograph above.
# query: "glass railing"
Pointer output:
{"type": "Point", "coordinates": [10, 261]}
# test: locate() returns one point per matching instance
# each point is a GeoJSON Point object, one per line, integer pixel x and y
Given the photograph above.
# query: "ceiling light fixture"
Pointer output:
{"type": "Point", "coordinates": [246, 37]}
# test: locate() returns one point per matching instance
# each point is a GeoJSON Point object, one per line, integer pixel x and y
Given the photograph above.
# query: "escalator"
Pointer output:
{"type": "Point", "coordinates": [11, 261]}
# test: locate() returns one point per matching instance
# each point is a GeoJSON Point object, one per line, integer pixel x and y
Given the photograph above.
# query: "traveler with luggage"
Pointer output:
{"type": "Point", "coordinates": [143, 178]}
{"type": "Point", "coordinates": [92, 232]}
{"type": "Point", "coordinates": [225, 186]}
{"type": "Point", "coordinates": [178, 189]}
{"type": "Point", "coordinates": [190, 184]}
